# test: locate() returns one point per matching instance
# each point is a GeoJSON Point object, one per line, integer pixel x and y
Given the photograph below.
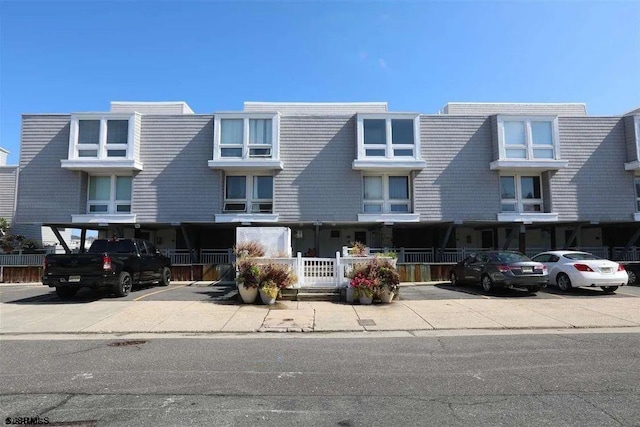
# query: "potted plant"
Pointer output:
{"type": "Point", "coordinates": [389, 280]}
{"type": "Point", "coordinates": [275, 277]}
{"type": "Point", "coordinates": [365, 286]}
{"type": "Point", "coordinates": [248, 276]}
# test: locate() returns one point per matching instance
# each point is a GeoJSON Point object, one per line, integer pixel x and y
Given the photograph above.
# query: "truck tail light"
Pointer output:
{"type": "Point", "coordinates": [582, 267]}
{"type": "Point", "coordinates": [106, 262]}
{"type": "Point", "coordinates": [45, 264]}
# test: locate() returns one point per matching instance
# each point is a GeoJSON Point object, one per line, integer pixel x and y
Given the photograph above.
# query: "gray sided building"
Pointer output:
{"type": "Point", "coordinates": [524, 176]}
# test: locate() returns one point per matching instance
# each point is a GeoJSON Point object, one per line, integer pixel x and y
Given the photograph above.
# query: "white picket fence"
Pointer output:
{"type": "Point", "coordinates": [321, 272]}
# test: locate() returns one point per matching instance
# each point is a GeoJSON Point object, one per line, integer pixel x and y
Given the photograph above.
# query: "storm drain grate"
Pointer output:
{"type": "Point", "coordinates": [126, 343]}
{"type": "Point", "coordinates": [366, 322]}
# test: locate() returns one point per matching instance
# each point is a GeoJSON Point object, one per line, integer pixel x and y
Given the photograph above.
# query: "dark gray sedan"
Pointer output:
{"type": "Point", "coordinates": [500, 269]}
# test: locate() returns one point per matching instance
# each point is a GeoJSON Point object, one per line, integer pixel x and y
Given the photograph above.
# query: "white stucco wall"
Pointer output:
{"type": "Point", "coordinates": [275, 240]}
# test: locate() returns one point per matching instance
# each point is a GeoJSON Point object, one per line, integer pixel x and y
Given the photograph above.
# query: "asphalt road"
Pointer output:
{"type": "Point", "coordinates": [35, 293]}
{"type": "Point", "coordinates": [564, 379]}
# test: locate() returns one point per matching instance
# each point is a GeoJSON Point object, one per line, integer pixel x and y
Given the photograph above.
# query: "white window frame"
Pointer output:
{"type": "Point", "coordinates": [528, 143]}
{"type": "Point", "coordinates": [112, 203]}
{"type": "Point", "coordinates": [388, 146]}
{"type": "Point", "coordinates": [246, 146]}
{"type": "Point", "coordinates": [101, 147]}
{"type": "Point", "coordinates": [386, 201]}
{"type": "Point", "coordinates": [519, 202]}
{"type": "Point", "coordinates": [249, 201]}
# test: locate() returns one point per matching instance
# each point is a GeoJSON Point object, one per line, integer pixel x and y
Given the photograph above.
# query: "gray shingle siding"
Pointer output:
{"type": "Point", "coordinates": [317, 182]}
{"type": "Point", "coordinates": [457, 183]}
{"type": "Point", "coordinates": [317, 109]}
{"type": "Point", "coordinates": [595, 185]}
{"type": "Point", "coordinates": [485, 109]}
{"type": "Point", "coordinates": [630, 138]}
{"type": "Point", "coordinates": [8, 180]}
{"type": "Point", "coordinates": [46, 192]}
{"type": "Point", "coordinates": [176, 183]}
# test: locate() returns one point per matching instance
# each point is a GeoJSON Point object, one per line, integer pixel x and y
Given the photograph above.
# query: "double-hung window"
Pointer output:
{"type": "Point", "coordinates": [102, 138]}
{"type": "Point", "coordinates": [388, 141]}
{"type": "Point", "coordinates": [256, 142]}
{"type": "Point", "coordinates": [245, 136]}
{"type": "Point", "coordinates": [248, 194]}
{"type": "Point", "coordinates": [385, 194]}
{"type": "Point", "coordinates": [109, 194]}
{"type": "Point", "coordinates": [521, 193]}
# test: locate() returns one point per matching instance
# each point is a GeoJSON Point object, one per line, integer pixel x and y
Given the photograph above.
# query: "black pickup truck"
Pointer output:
{"type": "Point", "coordinates": [112, 264]}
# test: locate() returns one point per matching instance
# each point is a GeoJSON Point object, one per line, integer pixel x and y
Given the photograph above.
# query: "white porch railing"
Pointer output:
{"type": "Point", "coordinates": [216, 256]}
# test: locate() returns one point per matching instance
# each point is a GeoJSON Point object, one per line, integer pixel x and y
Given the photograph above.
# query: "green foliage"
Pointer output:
{"type": "Point", "coordinates": [280, 275]}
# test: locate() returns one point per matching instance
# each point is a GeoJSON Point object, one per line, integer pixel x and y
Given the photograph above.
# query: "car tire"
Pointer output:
{"type": "Point", "coordinates": [123, 287]}
{"type": "Point", "coordinates": [533, 289]}
{"type": "Point", "coordinates": [609, 289]}
{"type": "Point", "coordinates": [66, 292]}
{"type": "Point", "coordinates": [632, 277]}
{"type": "Point", "coordinates": [454, 279]}
{"type": "Point", "coordinates": [563, 282]}
{"type": "Point", "coordinates": [165, 276]}
{"type": "Point", "coordinates": [487, 283]}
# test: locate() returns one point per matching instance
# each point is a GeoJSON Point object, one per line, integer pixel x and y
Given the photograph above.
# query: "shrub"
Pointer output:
{"type": "Point", "coordinates": [280, 275]}
{"type": "Point", "coordinates": [371, 276]}
{"type": "Point", "coordinates": [248, 249]}
{"type": "Point", "coordinates": [249, 274]}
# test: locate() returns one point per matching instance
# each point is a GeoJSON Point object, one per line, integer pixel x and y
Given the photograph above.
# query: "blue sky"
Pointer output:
{"type": "Point", "coordinates": [62, 57]}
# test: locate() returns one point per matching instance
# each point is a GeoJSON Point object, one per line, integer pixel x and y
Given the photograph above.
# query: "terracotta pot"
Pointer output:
{"type": "Point", "coordinates": [248, 295]}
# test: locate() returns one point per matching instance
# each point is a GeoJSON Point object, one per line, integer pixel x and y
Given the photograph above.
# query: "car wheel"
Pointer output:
{"type": "Point", "coordinates": [454, 279]}
{"type": "Point", "coordinates": [65, 292]}
{"type": "Point", "coordinates": [563, 281]}
{"type": "Point", "coordinates": [609, 289]}
{"type": "Point", "coordinates": [533, 289]}
{"type": "Point", "coordinates": [487, 284]}
{"type": "Point", "coordinates": [632, 277]}
{"type": "Point", "coordinates": [123, 287]}
{"type": "Point", "coordinates": [165, 277]}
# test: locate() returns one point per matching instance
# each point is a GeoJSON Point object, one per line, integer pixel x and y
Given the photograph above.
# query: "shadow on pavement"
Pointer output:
{"type": "Point", "coordinates": [579, 292]}
{"type": "Point", "coordinates": [477, 290]}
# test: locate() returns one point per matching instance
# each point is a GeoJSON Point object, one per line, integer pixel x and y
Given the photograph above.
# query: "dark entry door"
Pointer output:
{"type": "Point", "coordinates": [360, 236]}
{"type": "Point", "coordinates": [487, 239]}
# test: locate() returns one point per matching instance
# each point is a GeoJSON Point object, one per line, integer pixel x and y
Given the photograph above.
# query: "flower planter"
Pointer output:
{"type": "Point", "coordinates": [248, 295]}
{"type": "Point", "coordinates": [386, 296]}
{"type": "Point", "coordinates": [365, 300]}
{"type": "Point", "coordinates": [349, 295]}
{"type": "Point", "coordinates": [266, 299]}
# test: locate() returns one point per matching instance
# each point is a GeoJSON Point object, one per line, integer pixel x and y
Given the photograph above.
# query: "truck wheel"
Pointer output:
{"type": "Point", "coordinates": [165, 276]}
{"type": "Point", "coordinates": [123, 286]}
{"type": "Point", "coordinates": [65, 292]}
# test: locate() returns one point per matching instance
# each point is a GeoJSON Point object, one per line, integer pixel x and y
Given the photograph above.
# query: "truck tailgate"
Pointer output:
{"type": "Point", "coordinates": [76, 264]}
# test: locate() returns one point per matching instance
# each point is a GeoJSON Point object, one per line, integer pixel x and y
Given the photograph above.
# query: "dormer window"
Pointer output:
{"type": "Point", "coordinates": [244, 140]}
{"type": "Point", "coordinates": [388, 141]}
{"type": "Point", "coordinates": [101, 141]}
{"type": "Point", "coordinates": [530, 142]}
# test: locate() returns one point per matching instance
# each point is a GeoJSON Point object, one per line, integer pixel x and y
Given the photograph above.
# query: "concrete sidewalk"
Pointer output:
{"type": "Point", "coordinates": [112, 316]}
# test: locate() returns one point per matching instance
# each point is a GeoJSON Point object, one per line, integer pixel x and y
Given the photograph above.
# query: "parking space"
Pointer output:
{"type": "Point", "coordinates": [227, 293]}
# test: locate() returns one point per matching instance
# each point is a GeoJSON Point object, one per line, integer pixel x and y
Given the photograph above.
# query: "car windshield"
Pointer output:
{"type": "Point", "coordinates": [509, 257]}
{"type": "Point", "coordinates": [580, 256]}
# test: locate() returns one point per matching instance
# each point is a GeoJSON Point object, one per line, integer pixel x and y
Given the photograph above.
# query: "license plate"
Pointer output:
{"type": "Point", "coordinates": [606, 269]}
{"type": "Point", "coordinates": [527, 269]}
{"type": "Point", "coordinates": [74, 278]}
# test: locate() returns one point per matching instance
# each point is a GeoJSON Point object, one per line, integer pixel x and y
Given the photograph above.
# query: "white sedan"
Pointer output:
{"type": "Point", "coordinates": [574, 269]}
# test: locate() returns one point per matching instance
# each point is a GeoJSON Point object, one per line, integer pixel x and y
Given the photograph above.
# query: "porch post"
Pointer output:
{"type": "Point", "coordinates": [300, 269]}
{"type": "Point", "coordinates": [316, 237]}
{"type": "Point", "coordinates": [337, 271]}
{"type": "Point", "coordinates": [60, 239]}
{"type": "Point", "coordinates": [192, 255]}
{"type": "Point", "coordinates": [509, 239]}
{"type": "Point", "coordinates": [83, 238]}
{"type": "Point", "coordinates": [522, 239]}
{"type": "Point", "coordinates": [572, 238]}
{"type": "Point", "coordinates": [443, 244]}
